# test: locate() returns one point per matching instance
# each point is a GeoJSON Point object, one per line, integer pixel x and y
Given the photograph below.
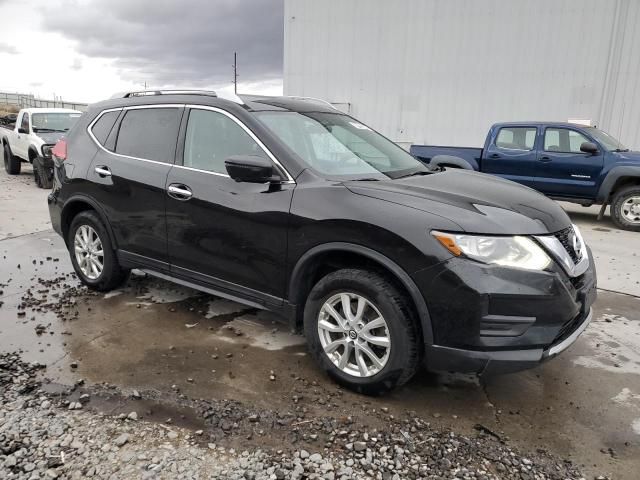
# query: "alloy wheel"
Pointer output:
{"type": "Point", "coordinates": [89, 252]}
{"type": "Point", "coordinates": [354, 334]}
{"type": "Point", "coordinates": [630, 210]}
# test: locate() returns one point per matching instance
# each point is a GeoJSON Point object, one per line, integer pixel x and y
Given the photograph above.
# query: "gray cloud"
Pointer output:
{"type": "Point", "coordinates": [189, 42]}
{"type": "Point", "coordinates": [6, 48]}
{"type": "Point", "coordinates": [77, 64]}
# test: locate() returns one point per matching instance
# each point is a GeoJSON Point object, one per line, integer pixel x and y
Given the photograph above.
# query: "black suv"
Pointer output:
{"type": "Point", "coordinates": [290, 205]}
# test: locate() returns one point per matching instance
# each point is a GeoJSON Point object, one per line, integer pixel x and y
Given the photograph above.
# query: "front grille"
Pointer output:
{"type": "Point", "coordinates": [566, 237]}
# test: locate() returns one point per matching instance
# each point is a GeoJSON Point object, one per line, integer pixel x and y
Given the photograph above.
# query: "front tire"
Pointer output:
{"type": "Point", "coordinates": [625, 208]}
{"type": "Point", "coordinates": [92, 253]}
{"type": "Point", "coordinates": [361, 329]}
{"type": "Point", "coordinates": [12, 163]}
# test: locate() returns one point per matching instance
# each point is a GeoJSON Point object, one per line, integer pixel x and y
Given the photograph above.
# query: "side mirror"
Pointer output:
{"type": "Point", "coordinates": [22, 130]}
{"type": "Point", "coordinates": [589, 147]}
{"type": "Point", "coordinates": [250, 169]}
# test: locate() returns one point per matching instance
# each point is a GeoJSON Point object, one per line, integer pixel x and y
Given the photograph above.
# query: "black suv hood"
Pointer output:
{"type": "Point", "coordinates": [477, 202]}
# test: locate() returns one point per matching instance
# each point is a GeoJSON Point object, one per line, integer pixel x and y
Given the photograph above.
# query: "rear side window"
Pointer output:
{"type": "Point", "coordinates": [516, 138]}
{"type": "Point", "coordinates": [149, 133]}
{"type": "Point", "coordinates": [103, 126]}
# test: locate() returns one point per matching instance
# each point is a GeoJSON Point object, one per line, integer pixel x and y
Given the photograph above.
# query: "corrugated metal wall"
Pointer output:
{"type": "Point", "coordinates": [442, 71]}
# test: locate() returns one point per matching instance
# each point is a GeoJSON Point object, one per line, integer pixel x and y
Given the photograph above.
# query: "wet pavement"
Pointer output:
{"type": "Point", "coordinates": [157, 337]}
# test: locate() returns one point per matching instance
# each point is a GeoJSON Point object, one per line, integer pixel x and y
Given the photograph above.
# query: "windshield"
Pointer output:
{"type": "Point", "coordinates": [337, 145]}
{"type": "Point", "coordinates": [606, 140]}
{"type": "Point", "coordinates": [55, 122]}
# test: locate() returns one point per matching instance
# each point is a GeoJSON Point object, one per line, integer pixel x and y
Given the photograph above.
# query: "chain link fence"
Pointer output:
{"type": "Point", "coordinates": [20, 100]}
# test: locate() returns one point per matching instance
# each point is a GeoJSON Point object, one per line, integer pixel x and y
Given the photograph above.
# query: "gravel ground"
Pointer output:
{"type": "Point", "coordinates": [58, 435]}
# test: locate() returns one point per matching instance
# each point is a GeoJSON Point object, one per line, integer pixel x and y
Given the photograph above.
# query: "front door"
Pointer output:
{"type": "Point", "coordinates": [128, 177]}
{"type": "Point", "coordinates": [563, 170]}
{"type": "Point", "coordinates": [221, 233]}
{"type": "Point", "coordinates": [512, 155]}
{"type": "Point", "coordinates": [21, 148]}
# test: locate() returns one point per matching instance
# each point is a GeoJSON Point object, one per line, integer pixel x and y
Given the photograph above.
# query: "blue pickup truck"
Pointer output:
{"type": "Point", "coordinates": [564, 161]}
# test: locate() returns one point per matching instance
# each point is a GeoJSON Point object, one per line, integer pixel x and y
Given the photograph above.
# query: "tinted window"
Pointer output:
{"type": "Point", "coordinates": [212, 138]}
{"type": "Point", "coordinates": [516, 138]}
{"type": "Point", "coordinates": [563, 140]}
{"type": "Point", "coordinates": [149, 133]}
{"type": "Point", "coordinates": [103, 126]}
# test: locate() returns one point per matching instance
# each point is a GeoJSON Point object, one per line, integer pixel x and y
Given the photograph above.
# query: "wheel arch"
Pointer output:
{"type": "Point", "coordinates": [81, 203]}
{"type": "Point", "coordinates": [617, 178]}
{"type": "Point", "coordinates": [450, 161]}
{"type": "Point", "coordinates": [322, 259]}
{"type": "Point", "coordinates": [32, 153]}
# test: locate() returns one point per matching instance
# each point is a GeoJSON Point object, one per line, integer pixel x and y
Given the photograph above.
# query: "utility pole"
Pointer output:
{"type": "Point", "coordinates": [235, 73]}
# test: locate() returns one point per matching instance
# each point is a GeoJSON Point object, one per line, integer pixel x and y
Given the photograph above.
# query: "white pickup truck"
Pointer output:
{"type": "Point", "coordinates": [31, 139]}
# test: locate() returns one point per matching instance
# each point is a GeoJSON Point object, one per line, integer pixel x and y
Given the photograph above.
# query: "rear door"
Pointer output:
{"type": "Point", "coordinates": [511, 154]}
{"type": "Point", "coordinates": [221, 233]}
{"type": "Point", "coordinates": [562, 169]}
{"type": "Point", "coordinates": [129, 174]}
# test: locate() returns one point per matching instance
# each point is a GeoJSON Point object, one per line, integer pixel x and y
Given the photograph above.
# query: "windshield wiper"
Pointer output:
{"type": "Point", "coordinates": [415, 174]}
{"type": "Point", "coordinates": [43, 129]}
{"type": "Point", "coordinates": [621, 150]}
{"type": "Point", "coordinates": [366, 179]}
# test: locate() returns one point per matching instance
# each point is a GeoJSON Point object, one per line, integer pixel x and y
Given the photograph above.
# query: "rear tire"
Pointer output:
{"type": "Point", "coordinates": [625, 208]}
{"type": "Point", "coordinates": [92, 253]}
{"type": "Point", "coordinates": [12, 163]}
{"type": "Point", "coordinates": [43, 175]}
{"type": "Point", "coordinates": [395, 340]}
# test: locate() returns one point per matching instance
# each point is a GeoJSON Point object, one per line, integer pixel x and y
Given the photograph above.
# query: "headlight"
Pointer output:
{"type": "Point", "coordinates": [517, 251]}
{"type": "Point", "coordinates": [46, 150]}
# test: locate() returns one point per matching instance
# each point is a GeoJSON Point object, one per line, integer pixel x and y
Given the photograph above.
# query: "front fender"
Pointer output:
{"type": "Point", "coordinates": [612, 177]}
{"type": "Point", "coordinates": [298, 273]}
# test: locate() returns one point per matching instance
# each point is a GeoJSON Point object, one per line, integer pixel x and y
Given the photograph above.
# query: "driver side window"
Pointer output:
{"type": "Point", "coordinates": [212, 138]}
{"type": "Point", "coordinates": [25, 121]}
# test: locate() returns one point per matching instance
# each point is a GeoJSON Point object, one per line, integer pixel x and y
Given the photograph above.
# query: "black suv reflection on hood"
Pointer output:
{"type": "Point", "coordinates": [478, 203]}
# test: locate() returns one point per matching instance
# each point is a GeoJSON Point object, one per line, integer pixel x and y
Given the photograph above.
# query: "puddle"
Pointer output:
{"type": "Point", "coordinates": [221, 306]}
{"type": "Point", "coordinates": [262, 335]}
{"type": "Point", "coordinates": [167, 293]}
{"type": "Point", "coordinates": [615, 345]}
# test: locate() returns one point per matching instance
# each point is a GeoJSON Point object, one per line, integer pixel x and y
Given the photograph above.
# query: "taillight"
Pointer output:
{"type": "Point", "coordinates": [60, 150]}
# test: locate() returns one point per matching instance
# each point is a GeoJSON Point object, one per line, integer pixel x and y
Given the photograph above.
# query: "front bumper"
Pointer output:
{"type": "Point", "coordinates": [500, 361]}
{"type": "Point", "coordinates": [491, 319]}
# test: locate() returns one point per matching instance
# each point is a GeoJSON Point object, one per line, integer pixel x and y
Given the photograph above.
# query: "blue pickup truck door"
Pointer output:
{"type": "Point", "coordinates": [511, 153]}
{"type": "Point", "coordinates": [562, 169]}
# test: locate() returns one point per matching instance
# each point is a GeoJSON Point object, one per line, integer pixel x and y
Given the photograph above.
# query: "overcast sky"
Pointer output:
{"type": "Point", "coordinates": [85, 50]}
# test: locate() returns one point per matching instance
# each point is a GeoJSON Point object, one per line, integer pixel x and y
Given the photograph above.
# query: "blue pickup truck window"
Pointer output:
{"type": "Point", "coordinates": [516, 138]}
{"type": "Point", "coordinates": [563, 140]}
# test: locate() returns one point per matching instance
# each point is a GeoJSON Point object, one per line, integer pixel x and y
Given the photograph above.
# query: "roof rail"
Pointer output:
{"type": "Point", "coordinates": [144, 93]}
{"type": "Point", "coordinates": [210, 93]}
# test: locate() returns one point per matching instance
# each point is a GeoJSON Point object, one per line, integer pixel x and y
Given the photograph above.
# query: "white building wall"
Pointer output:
{"type": "Point", "coordinates": [442, 71]}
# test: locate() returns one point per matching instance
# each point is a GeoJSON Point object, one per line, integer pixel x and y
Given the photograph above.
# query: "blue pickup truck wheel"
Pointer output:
{"type": "Point", "coordinates": [625, 208]}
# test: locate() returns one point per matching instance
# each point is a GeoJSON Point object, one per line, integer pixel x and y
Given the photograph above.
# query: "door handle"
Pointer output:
{"type": "Point", "coordinates": [103, 171]}
{"type": "Point", "coordinates": [495, 155]}
{"type": "Point", "coordinates": [545, 159]}
{"type": "Point", "coordinates": [179, 192]}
